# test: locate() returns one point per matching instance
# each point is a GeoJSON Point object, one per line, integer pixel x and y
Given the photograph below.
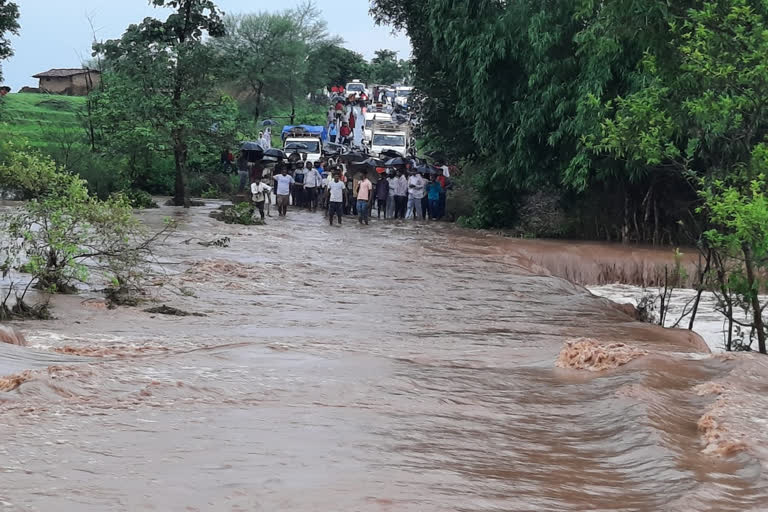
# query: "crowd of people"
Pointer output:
{"type": "Point", "coordinates": [401, 192]}
{"type": "Point", "coordinates": [339, 188]}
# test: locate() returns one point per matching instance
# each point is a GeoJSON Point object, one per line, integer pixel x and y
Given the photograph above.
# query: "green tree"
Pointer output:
{"type": "Point", "coordinates": [275, 55]}
{"type": "Point", "coordinates": [9, 24]}
{"type": "Point", "coordinates": [173, 73]}
{"type": "Point", "coordinates": [385, 68]}
{"type": "Point", "coordinates": [254, 49]}
{"type": "Point", "coordinates": [339, 65]}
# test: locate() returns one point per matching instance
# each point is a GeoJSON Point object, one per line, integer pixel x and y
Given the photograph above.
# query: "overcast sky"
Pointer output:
{"type": "Point", "coordinates": [56, 34]}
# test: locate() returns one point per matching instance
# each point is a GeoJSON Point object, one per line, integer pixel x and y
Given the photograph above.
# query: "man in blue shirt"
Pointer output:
{"type": "Point", "coordinates": [434, 189]}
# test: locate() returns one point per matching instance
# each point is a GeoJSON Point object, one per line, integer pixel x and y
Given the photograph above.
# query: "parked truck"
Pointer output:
{"type": "Point", "coordinates": [390, 136]}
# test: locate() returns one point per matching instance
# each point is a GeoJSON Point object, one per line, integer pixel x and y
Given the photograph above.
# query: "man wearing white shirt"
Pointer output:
{"type": "Point", "coordinates": [401, 194]}
{"type": "Point", "coordinates": [415, 195]}
{"type": "Point", "coordinates": [336, 190]}
{"type": "Point", "coordinates": [312, 180]}
{"type": "Point", "coordinates": [284, 182]}
{"type": "Point", "coordinates": [259, 194]}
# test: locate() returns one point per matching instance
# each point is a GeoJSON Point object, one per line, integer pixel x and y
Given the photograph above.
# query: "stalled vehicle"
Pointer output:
{"type": "Point", "coordinates": [305, 139]}
{"type": "Point", "coordinates": [390, 137]}
{"type": "Point", "coordinates": [370, 120]}
{"type": "Point", "coordinates": [401, 96]}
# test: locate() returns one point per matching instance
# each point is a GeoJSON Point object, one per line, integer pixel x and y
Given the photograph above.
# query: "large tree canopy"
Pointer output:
{"type": "Point", "coordinates": [173, 76]}
{"type": "Point", "coordinates": [516, 91]}
{"type": "Point", "coordinates": [9, 24]}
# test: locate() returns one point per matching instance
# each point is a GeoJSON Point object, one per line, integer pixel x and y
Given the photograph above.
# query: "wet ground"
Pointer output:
{"type": "Point", "coordinates": [394, 367]}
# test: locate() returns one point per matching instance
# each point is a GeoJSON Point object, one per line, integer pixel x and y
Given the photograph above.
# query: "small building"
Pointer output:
{"type": "Point", "coordinates": [71, 82]}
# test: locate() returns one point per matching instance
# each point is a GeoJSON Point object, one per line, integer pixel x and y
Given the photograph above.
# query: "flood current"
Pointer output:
{"type": "Point", "coordinates": [395, 367]}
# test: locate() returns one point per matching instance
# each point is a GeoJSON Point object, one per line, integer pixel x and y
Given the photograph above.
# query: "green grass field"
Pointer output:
{"type": "Point", "coordinates": [42, 120]}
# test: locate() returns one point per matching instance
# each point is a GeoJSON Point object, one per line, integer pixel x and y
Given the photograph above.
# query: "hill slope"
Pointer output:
{"type": "Point", "coordinates": [45, 121]}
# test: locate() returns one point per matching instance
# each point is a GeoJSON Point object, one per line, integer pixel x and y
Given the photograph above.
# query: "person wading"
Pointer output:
{"type": "Point", "coordinates": [284, 182]}
{"type": "Point", "coordinates": [382, 195]}
{"type": "Point", "coordinates": [312, 182]}
{"type": "Point", "coordinates": [415, 195]}
{"type": "Point", "coordinates": [336, 192]}
{"type": "Point", "coordinates": [364, 195]}
{"type": "Point", "coordinates": [260, 193]}
{"type": "Point", "coordinates": [401, 195]}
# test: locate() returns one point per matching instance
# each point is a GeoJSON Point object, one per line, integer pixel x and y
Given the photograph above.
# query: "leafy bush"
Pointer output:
{"type": "Point", "coordinates": [64, 236]}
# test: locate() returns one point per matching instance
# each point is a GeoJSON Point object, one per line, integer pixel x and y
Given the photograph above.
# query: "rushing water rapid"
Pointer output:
{"type": "Point", "coordinates": [395, 367]}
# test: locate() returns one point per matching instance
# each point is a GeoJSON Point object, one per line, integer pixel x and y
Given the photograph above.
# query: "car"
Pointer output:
{"type": "Point", "coordinates": [357, 88]}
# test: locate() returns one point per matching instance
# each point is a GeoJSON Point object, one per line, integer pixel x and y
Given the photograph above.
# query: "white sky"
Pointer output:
{"type": "Point", "coordinates": [56, 34]}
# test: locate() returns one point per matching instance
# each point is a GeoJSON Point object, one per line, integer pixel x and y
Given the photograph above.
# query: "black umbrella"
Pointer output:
{"type": "Point", "coordinates": [251, 146]}
{"type": "Point", "coordinates": [336, 99]}
{"type": "Point", "coordinates": [274, 154]}
{"type": "Point", "coordinates": [390, 153]}
{"type": "Point", "coordinates": [268, 122]}
{"type": "Point", "coordinates": [394, 162]}
{"type": "Point", "coordinates": [354, 156]}
{"type": "Point", "coordinates": [370, 162]}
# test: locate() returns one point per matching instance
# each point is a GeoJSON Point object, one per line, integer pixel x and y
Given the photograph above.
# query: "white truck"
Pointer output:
{"type": "Point", "coordinates": [370, 119]}
{"type": "Point", "coordinates": [390, 136]}
{"type": "Point", "coordinates": [302, 141]}
{"type": "Point", "coordinates": [401, 96]}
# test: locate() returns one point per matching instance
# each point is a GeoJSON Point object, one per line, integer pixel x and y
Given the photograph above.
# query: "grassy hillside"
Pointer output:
{"type": "Point", "coordinates": [41, 119]}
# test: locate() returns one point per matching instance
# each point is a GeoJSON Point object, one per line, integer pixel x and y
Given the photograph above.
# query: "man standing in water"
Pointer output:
{"type": "Point", "coordinates": [312, 181]}
{"type": "Point", "coordinates": [415, 195]}
{"type": "Point", "coordinates": [364, 193]}
{"type": "Point", "coordinates": [260, 192]}
{"type": "Point", "coordinates": [401, 194]}
{"type": "Point", "coordinates": [284, 182]}
{"type": "Point", "coordinates": [336, 191]}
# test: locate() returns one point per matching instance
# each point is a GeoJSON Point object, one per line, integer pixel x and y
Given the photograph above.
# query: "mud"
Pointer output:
{"type": "Point", "coordinates": [400, 366]}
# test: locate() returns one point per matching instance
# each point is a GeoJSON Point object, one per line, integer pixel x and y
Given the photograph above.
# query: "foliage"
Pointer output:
{"type": "Point", "coordinates": [64, 236]}
{"type": "Point", "coordinates": [241, 213]}
{"type": "Point", "coordinates": [29, 172]}
{"type": "Point", "coordinates": [166, 81]}
{"type": "Point", "coordinates": [339, 65]}
{"type": "Point", "coordinates": [385, 68]}
{"type": "Point", "coordinates": [9, 24]}
{"type": "Point", "coordinates": [279, 56]}
{"type": "Point", "coordinates": [738, 212]}
{"type": "Point", "coordinates": [518, 92]}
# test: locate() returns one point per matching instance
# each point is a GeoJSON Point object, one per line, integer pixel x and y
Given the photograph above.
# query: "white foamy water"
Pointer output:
{"type": "Point", "coordinates": [710, 324]}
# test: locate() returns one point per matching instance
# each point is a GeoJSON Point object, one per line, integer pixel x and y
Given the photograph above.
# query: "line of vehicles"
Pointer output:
{"type": "Point", "coordinates": [386, 125]}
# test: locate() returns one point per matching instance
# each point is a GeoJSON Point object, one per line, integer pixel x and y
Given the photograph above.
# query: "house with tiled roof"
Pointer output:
{"type": "Point", "coordinates": [71, 81]}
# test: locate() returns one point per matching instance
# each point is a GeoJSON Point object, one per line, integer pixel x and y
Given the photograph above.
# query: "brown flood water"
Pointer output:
{"type": "Point", "coordinates": [399, 367]}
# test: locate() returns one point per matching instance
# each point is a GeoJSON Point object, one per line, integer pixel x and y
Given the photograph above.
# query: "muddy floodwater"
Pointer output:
{"type": "Point", "coordinates": [396, 367]}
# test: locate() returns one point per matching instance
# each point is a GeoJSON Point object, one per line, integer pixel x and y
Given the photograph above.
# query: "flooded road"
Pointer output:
{"type": "Point", "coordinates": [398, 367]}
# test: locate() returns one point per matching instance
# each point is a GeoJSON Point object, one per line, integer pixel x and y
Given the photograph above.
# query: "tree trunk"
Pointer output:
{"type": "Point", "coordinates": [180, 159]}
{"type": "Point", "coordinates": [700, 290]}
{"type": "Point", "coordinates": [625, 228]}
{"type": "Point", "coordinates": [754, 299]}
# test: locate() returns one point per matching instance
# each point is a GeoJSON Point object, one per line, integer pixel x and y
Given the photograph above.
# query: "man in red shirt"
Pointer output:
{"type": "Point", "coordinates": [345, 133]}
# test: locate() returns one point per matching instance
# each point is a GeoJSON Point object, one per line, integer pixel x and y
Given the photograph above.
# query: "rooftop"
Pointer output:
{"type": "Point", "coordinates": [63, 73]}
